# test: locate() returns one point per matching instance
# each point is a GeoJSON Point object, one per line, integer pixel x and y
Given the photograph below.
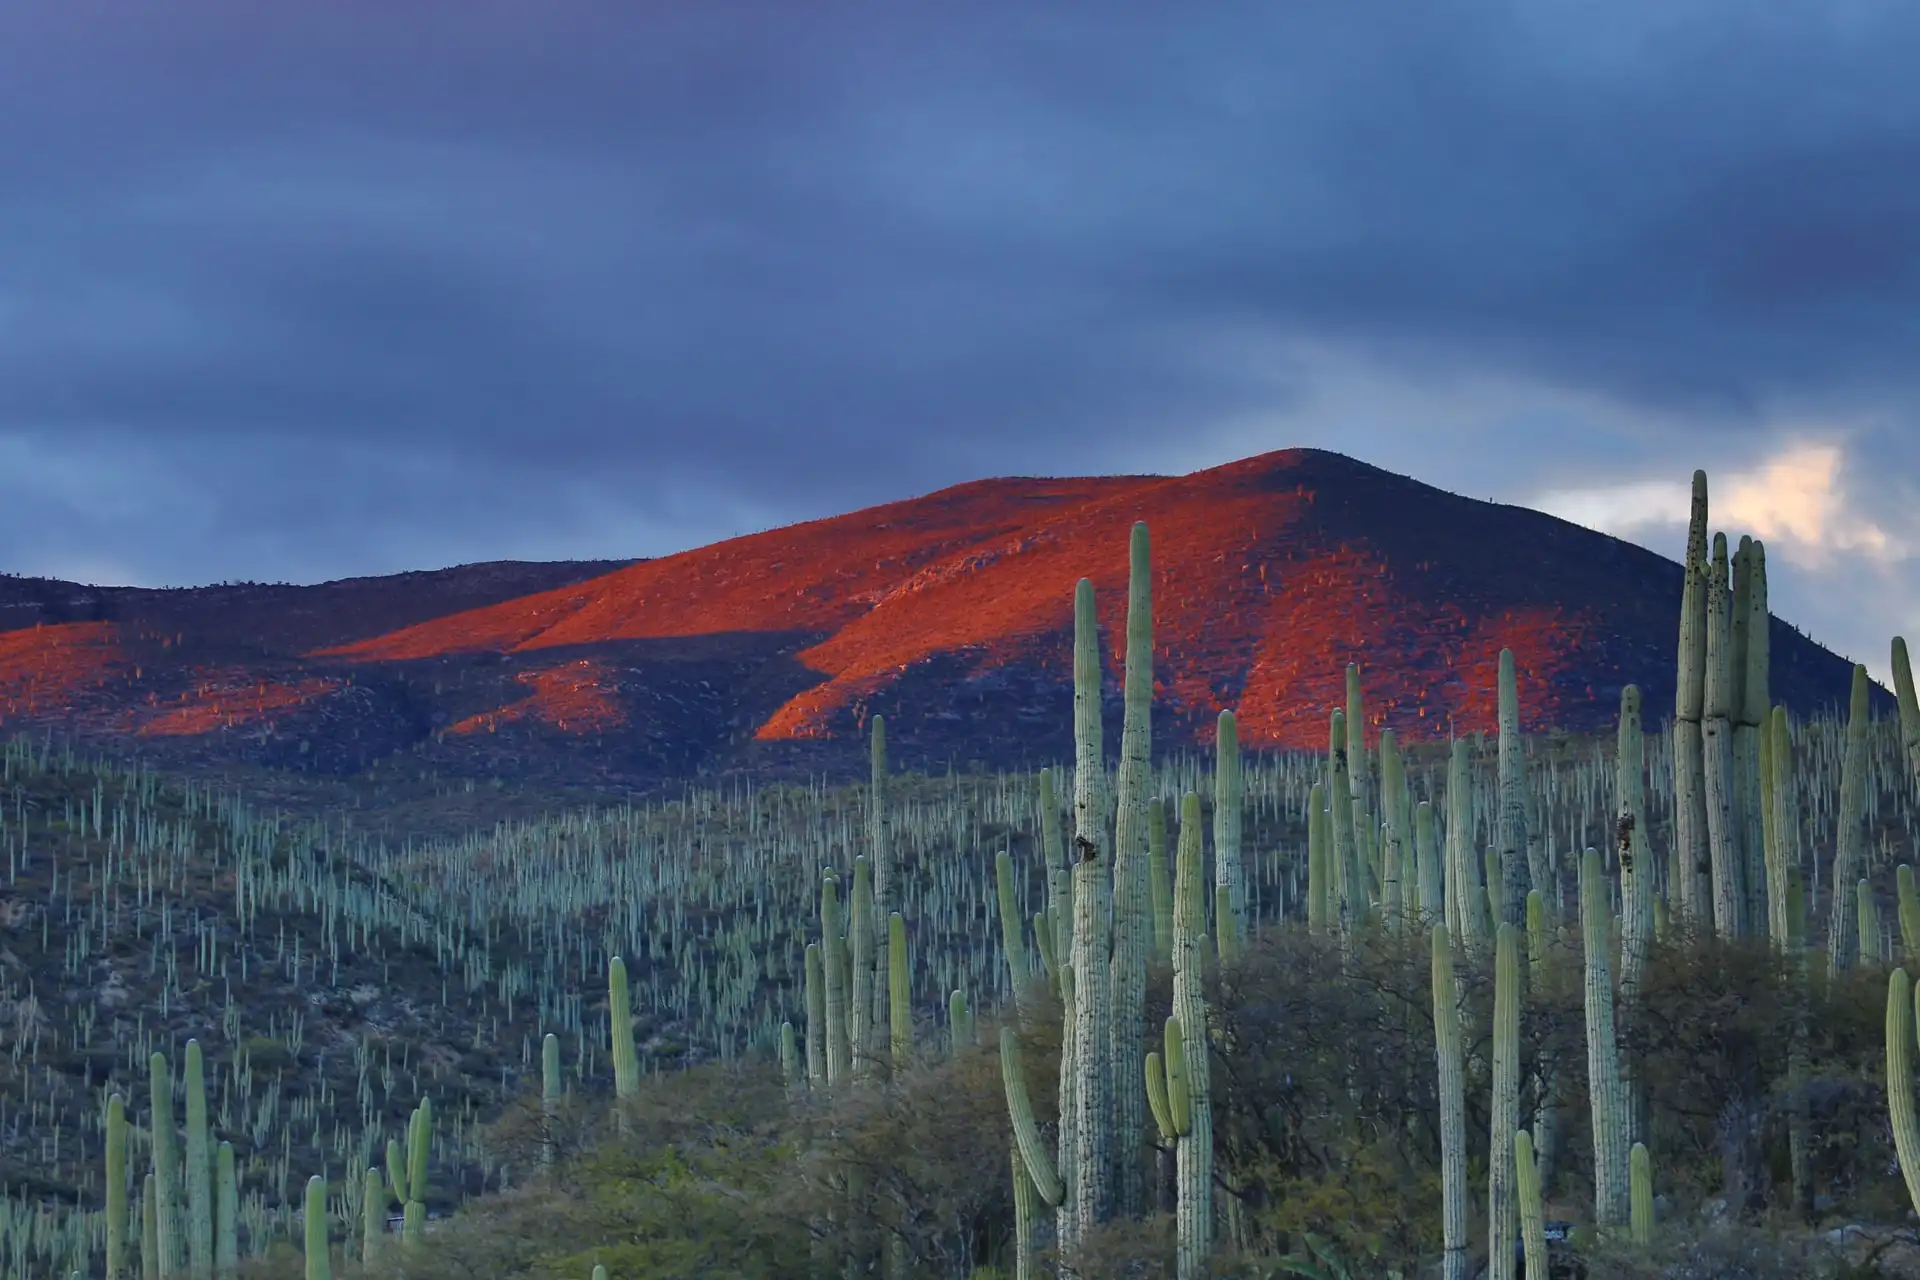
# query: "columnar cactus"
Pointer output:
{"type": "Point", "coordinates": [816, 995]}
{"type": "Point", "coordinates": [1636, 881]}
{"type": "Point", "coordinates": [1228, 794]}
{"type": "Point", "coordinates": [1750, 716]}
{"type": "Point", "coordinates": [165, 1166]}
{"type": "Point", "coordinates": [860, 971]}
{"type": "Point", "coordinates": [1059, 875]}
{"type": "Point", "coordinates": [1167, 1084]}
{"type": "Point", "coordinates": [1716, 745]}
{"type": "Point", "coordinates": [1450, 1059]}
{"type": "Point", "coordinates": [1870, 946]}
{"type": "Point", "coordinates": [1690, 853]}
{"type": "Point", "coordinates": [1533, 1217]}
{"type": "Point", "coordinates": [1511, 830]}
{"type": "Point", "coordinates": [1466, 910]}
{"type": "Point", "coordinates": [373, 1217]}
{"type": "Point", "coordinates": [1782, 829]}
{"type": "Point", "coordinates": [833, 951]}
{"type": "Point", "coordinates": [1603, 1059]}
{"type": "Point", "coordinates": [1025, 1216]}
{"type": "Point", "coordinates": [413, 1224]}
{"type": "Point", "coordinates": [1501, 1222]}
{"type": "Point", "coordinates": [1349, 884]}
{"type": "Point", "coordinates": [1359, 777]}
{"type": "Point", "coordinates": [1908, 901]}
{"type": "Point", "coordinates": [1546, 1111]}
{"type": "Point", "coordinates": [553, 1088]}
{"type": "Point", "coordinates": [1427, 868]}
{"type": "Point", "coordinates": [959, 1022]}
{"type": "Point", "coordinates": [1909, 705]}
{"type": "Point", "coordinates": [1160, 880]}
{"type": "Point", "coordinates": [116, 1188]}
{"type": "Point", "coordinates": [1900, 1043]}
{"type": "Point", "coordinates": [1396, 814]}
{"type": "Point", "coordinates": [899, 993]}
{"type": "Point", "coordinates": [199, 1167]}
{"type": "Point", "coordinates": [226, 1219]}
{"type": "Point", "coordinates": [1319, 873]}
{"type": "Point", "coordinates": [1091, 1183]}
{"type": "Point", "coordinates": [314, 1243]}
{"type": "Point", "coordinates": [1194, 1216]}
{"type": "Point", "coordinates": [149, 1228]}
{"type": "Point", "coordinates": [1640, 1176]}
{"type": "Point", "coordinates": [626, 1063]}
{"type": "Point", "coordinates": [1849, 846]}
{"type": "Point", "coordinates": [1131, 888]}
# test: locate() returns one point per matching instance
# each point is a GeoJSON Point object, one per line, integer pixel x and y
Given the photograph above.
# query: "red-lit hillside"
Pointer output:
{"type": "Point", "coordinates": [950, 613]}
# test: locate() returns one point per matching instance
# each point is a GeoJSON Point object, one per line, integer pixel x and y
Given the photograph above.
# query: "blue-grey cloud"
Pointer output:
{"type": "Point", "coordinates": [310, 289]}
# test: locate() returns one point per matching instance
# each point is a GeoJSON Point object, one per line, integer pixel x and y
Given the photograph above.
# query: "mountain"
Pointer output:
{"type": "Point", "coordinates": [950, 613]}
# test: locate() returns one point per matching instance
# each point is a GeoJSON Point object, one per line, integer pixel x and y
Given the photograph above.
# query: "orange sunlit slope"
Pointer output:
{"type": "Point", "coordinates": [1270, 575]}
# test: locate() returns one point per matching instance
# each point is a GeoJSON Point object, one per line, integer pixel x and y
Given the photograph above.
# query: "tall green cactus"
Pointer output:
{"type": "Point", "coordinates": [413, 1224]}
{"type": "Point", "coordinates": [860, 971]}
{"type": "Point", "coordinates": [1194, 1215]}
{"type": "Point", "coordinates": [199, 1168]}
{"type": "Point", "coordinates": [1428, 872]}
{"type": "Point", "coordinates": [1608, 1097]}
{"type": "Point", "coordinates": [1533, 1217]}
{"type": "Point", "coordinates": [1466, 904]}
{"type": "Point", "coordinates": [1900, 1110]}
{"type": "Point", "coordinates": [1013, 937]}
{"type": "Point", "coordinates": [1907, 900]}
{"type": "Point", "coordinates": [1870, 942]}
{"type": "Point", "coordinates": [1229, 793]}
{"type": "Point", "coordinates": [226, 1218]}
{"type": "Point", "coordinates": [1160, 880]}
{"type": "Point", "coordinates": [1349, 887]}
{"type": "Point", "coordinates": [314, 1241]}
{"type": "Point", "coordinates": [1751, 710]}
{"type": "Point", "coordinates": [1510, 836]}
{"type": "Point", "coordinates": [1025, 1218]}
{"type": "Point", "coordinates": [165, 1166]}
{"type": "Point", "coordinates": [552, 1090]}
{"type": "Point", "coordinates": [116, 1188]}
{"type": "Point", "coordinates": [833, 954]}
{"type": "Point", "coordinates": [1849, 847]}
{"type": "Point", "coordinates": [1450, 1060]}
{"type": "Point", "coordinates": [1909, 705]}
{"type": "Point", "coordinates": [1505, 1112]}
{"type": "Point", "coordinates": [1716, 745]}
{"type": "Point", "coordinates": [1091, 1184]}
{"type": "Point", "coordinates": [1131, 888]}
{"type": "Point", "coordinates": [899, 994]}
{"type": "Point", "coordinates": [626, 1063]}
{"type": "Point", "coordinates": [816, 997]}
{"type": "Point", "coordinates": [373, 1218]}
{"type": "Point", "coordinates": [149, 1228]}
{"type": "Point", "coordinates": [1359, 775]}
{"type": "Point", "coordinates": [1640, 1176]}
{"type": "Point", "coordinates": [1319, 877]}
{"type": "Point", "coordinates": [1636, 884]}
{"type": "Point", "coordinates": [1691, 857]}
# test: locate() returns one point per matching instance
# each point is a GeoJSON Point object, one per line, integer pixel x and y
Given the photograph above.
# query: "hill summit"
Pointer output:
{"type": "Point", "coordinates": [950, 613]}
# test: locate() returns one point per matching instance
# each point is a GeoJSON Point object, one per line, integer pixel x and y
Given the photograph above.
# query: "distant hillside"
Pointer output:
{"type": "Point", "coordinates": [950, 613]}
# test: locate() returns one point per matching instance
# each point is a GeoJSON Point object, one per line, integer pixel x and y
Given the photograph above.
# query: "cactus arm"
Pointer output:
{"type": "Point", "coordinates": [1026, 1133]}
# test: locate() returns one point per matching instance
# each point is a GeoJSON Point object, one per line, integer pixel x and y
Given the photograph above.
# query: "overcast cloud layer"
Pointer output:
{"type": "Point", "coordinates": [303, 290]}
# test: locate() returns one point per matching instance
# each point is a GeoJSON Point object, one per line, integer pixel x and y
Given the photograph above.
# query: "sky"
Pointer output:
{"type": "Point", "coordinates": [322, 288]}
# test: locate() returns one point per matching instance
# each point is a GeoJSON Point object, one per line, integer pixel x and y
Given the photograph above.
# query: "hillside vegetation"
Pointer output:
{"type": "Point", "coordinates": [1362, 1012]}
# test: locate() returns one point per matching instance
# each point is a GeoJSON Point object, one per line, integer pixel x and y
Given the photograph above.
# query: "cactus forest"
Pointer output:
{"type": "Point", "coordinates": [1499, 1005]}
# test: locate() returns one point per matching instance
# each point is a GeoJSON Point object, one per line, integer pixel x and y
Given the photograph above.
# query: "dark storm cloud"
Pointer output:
{"type": "Point", "coordinates": [359, 284]}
